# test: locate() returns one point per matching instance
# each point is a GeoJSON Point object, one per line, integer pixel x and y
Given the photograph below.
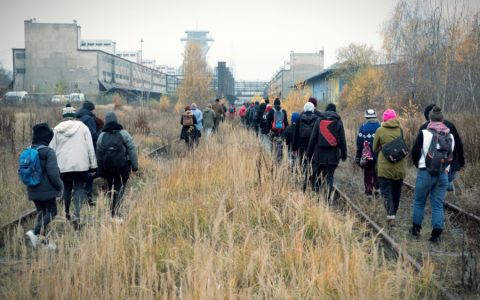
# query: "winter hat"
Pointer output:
{"type": "Point", "coordinates": [309, 106]}
{"type": "Point", "coordinates": [276, 102]}
{"type": "Point", "coordinates": [436, 114]}
{"type": "Point", "coordinates": [88, 105]}
{"type": "Point", "coordinates": [193, 106]}
{"type": "Point", "coordinates": [313, 101]}
{"type": "Point", "coordinates": [295, 117]}
{"type": "Point", "coordinates": [110, 117]}
{"type": "Point", "coordinates": [268, 108]}
{"type": "Point", "coordinates": [42, 134]}
{"type": "Point", "coordinates": [331, 107]}
{"type": "Point", "coordinates": [427, 111]}
{"type": "Point", "coordinates": [389, 114]}
{"type": "Point", "coordinates": [370, 114]}
{"type": "Point", "coordinates": [69, 112]}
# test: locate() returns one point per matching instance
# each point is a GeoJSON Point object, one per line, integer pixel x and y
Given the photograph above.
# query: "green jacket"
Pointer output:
{"type": "Point", "coordinates": [385, 134]}
{"type": "Point", "coordinates": [208, 118]}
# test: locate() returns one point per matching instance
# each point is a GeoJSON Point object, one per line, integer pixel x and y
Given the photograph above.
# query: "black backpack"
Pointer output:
{"type": "Point", "coordinates": [395, 150]}
{"type": "Point", "coordinates": [307, 123]}
{"type": "Point", "coordinates": [329, 131]}
{"type": "Point", "coordinates": [439, 155]}
{"type": "Point", "coordinates": [115, 153]}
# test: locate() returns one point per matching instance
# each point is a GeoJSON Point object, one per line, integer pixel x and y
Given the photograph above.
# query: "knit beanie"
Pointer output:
{"type": "Point", "coordinates": [427, 111]}
{"type": "Point", "coordinates": [370, 114]}
{"type": "Point", "coordinates": [276, 102]}
{"type": "Point", "coordinates": [331, 107]}
{"type": "Point", "coordinates": [88, 105]}
{"type": "Point", "coordinates": [436, 114]}
{"type": "Point", "coordinates": [110, 117]}
{"type": "Point", "coordinates": [295, 117]}
{"type": "Point", "coordinates": [313, 101]}
{"type": "Point", "coordinates": [308, 107]}
{"type": "Point", "coordinates": [42, 134]}
{"type": "Point", "coordinates": [389, 114]}
{"type": "Point", "coordinates": [69, 112]}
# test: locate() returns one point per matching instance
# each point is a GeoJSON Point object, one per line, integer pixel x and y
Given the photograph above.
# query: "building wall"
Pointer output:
{"type": "Point", "coordinates": [51, 59]}
{"type": "Point", "coordinates": [326, 89]}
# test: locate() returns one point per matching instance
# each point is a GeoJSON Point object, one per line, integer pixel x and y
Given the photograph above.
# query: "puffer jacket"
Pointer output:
{"type": "Point", "coordinates": [385, 134]}
{"type": "Point", "coordinates": [73, 145]}
{"type": "Point", "coordinates": [208, 118]}
{"type": "Point", "coordinates": [51, 185]}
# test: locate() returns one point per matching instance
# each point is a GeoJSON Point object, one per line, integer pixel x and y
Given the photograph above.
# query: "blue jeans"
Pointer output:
{"type": "Point", "coordinates": [436, 187]}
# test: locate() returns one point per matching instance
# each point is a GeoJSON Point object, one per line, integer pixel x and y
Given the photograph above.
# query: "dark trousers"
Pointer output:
{"type": "Point", "coordinates": [391, 191]}
{"type": "Point", "coordinates": [118, 180]}
{"type": "Point", "coordinates": [323, 174]}
{"type": "Point", "coordinates": [74, 181]}
{"type": "Point", "coordinates": [370, 179]}
{"type": "Point", "coordinates": [89, 189]}
{"type": "Point", "coordinates": [46, 211]}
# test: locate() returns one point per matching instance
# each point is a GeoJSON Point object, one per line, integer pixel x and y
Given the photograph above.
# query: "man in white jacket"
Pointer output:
{"type": "Point", "coordinates": [73, 145]}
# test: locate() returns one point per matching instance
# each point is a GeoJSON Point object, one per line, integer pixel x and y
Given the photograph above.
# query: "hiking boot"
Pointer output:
{"type": "Point", "coordinates": [435, 238]}
{"type": "Point", "coordinates": [391, 221]}
{"type": "Point", "coordinates": [33, 238]}
{"type": "Point", "coordinates": [415, 230]}
{"type": "Point", "coordinates": [68, 218]}
{"type": "Point", "coordinates": [76, 224]}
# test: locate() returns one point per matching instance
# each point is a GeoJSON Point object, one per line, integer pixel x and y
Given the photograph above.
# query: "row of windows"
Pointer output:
{"type": "Point", "coordinates": [96, 44]}
{"type": "Point", "coordinates": [127, 54]}
{"type": "Point", "coordinates": [20, 71]}
{"type": "Point", "coordinates": [20, 55]}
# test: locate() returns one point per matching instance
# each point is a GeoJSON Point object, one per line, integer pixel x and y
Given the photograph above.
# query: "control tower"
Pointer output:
{"type": "Point", "coordinates": [201, 37]}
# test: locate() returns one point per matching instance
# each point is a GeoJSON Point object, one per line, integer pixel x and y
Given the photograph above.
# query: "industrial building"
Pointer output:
{"type": "Point", "coordinates": [326, 86]}
{"type": "Point", "coordinates": [245, 90]}
{"type": "Point", "coordinates": [300, 67]}
{"type": "Point", "coordinates": [224, 82]}
{"type": "Point", "coordinates": [55, 59]}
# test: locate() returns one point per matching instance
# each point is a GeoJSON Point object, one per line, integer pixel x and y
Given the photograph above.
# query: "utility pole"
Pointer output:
{"type": "Point", "coordinates": [142, 71]}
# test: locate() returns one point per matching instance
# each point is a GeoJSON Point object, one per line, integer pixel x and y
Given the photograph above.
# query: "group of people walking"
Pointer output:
{"type": "Point", "coordinates": [64, 161]}
{"type": "Point", "coordinates": [195, 121]}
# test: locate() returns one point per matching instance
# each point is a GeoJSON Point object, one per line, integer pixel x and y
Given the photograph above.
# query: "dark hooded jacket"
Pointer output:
{"type": "Point", "coordinates": [88, 118]}
{"type": "Point", "coordinates": [257, 123]}
{"type": "Point", "coordinates": [331, 155]}
{"type": "Point", "coordinates": [300, 141]}
{"type": "Point", "coordinates": [51, 185]}
{"type": "Point", "coordinates": [253, 116]}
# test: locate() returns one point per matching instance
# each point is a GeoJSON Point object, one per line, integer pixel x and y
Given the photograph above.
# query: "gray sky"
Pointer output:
{"type": "Point", "coordinates": [255, 36]}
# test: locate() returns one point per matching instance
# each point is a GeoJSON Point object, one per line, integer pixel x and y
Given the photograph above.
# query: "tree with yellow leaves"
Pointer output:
{"type": "Point", "coordinates": [197, 78]}
{"type": "Point", "coordinates": [365, 90]}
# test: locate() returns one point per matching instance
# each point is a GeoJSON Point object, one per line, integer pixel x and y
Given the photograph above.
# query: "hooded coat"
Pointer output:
{"type": "Point", "coordinates": [73, 145]}
{"type": "Point", "coordinates": [88, 118]}
{"type": "Point", "coordinates": [208, 118]}
{"type": "Point", "coordinates": [270, 117]}
{"type": "Point", "coordinates": [51, 185]}
{"type": "Point", "coordinates": [389, 131]}
{"type": "Point", "coordinates": [307, 118]}
{"type": "Point", "coordinates": [331, 155]}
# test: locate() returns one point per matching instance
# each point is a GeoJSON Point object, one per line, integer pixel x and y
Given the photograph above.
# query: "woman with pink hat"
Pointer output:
{"type": "Point", "coordinates": [391, 167]}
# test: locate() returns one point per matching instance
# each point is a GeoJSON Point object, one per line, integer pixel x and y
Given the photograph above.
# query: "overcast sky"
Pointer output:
{"type": "Point", "coordinates": [255, 36]}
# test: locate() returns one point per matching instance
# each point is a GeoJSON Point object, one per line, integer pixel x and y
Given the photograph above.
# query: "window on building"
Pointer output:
{"type": "Point", "coordinates": [20, 71]}
{"type": "Point", "coordinates": [107, 44]}
{"type": "Point", "coordinates": [20, 55]}
{"type": "Point", "coordinates": [91, 44]}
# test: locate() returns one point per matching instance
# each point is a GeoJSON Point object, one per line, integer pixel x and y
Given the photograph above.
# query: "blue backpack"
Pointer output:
{"type": "Point", "coordinates": [29, 167]}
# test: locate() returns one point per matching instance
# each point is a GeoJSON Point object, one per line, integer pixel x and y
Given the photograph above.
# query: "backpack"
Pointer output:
{"type": "Point", "coordinates": [263, 121]}
{"type": "Point", "coordinates": [187, 119]}
{"type": "Point", "coordinates": [29, 167]}
{"type": "Point", "coordinates": [396, 150]}
{"type": "Point", "coordinates": [231, 109]}
{"type": "Point", "coordinates": [278, 123]}
{"type": "Point", "coordinates": [367, 154]}
{"type": "Point", "coordinates": [439, 155]}
{"type": "Point", "coordinates": [328, 133]}
{"type": "Point", "coordinates": [115, 154]}
{"type": "Point", "coordinates": [242, 112]}
{"type": "Point", "coordinates": [306, 126]}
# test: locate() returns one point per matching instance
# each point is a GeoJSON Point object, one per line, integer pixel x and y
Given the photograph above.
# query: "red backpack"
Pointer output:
{"type": "Point", "coordinates": [328, 133]}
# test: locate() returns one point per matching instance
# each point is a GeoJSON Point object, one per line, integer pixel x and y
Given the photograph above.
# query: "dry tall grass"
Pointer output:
{"type": "Point", "coordinates": [221, 222]}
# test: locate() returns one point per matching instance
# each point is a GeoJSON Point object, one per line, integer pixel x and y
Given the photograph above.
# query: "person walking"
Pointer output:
{"type": "Point", "coordinates": [303, 131]}
{"type": "Point", "coordinates": [44, 194]}
{"type": "Point", "coordinates": [289, 134]}
{"type": "Point", "coordinates": [277, 120]}
{"type": "Point", "coordinates": [208, 120]}
{"type": "Point", "coordinates": [315, 102]}
{"type": "Point", "coordinates": [242, 112]}
{"type": "Point", "coordinates": [255, 116]}
{"type": "Point", "coordinates": [116, 158]}
{"type": "Point", "coordinates": [432, 154]}
{"type": "Point", "coordinates": [391, 172]}
{"type": "Point", "coordinates": [73, 146]}
{"type": "Point", "coordinates": [219, 113]}
{"type": "Point", "coordinates": [199, 116]}
{"type": "Point", "coordinates": [458, 154]}
{"type": "Point", "coordinates": [231, 111]}
{"type": "Point", "coordinates": [326, 147]}
{"type": "Point", "coordinates": [365, 156]}
{"type": "Point", "coordinates": [189, 131]}
{"type": "Point", "coordinates": [86, 115]}
{"type": "Point", "coordinates": [263, 127]}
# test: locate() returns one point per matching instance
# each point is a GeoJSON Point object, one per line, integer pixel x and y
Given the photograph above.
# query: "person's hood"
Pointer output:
{"type": "Point", "coordinates": [392, 123]}
{"type": "Point", "coordinates": [331, 115]}
{"type": "Point", "coordinates": [112, 126]}
{"type": "Point", "coordinates": [84, 112]}
{"type": "Point", "coordinates": [42, 134]}
{"type": "Point", "coordinates": [373, 120]}
{"type": "Point", "coordinates": [208, 109]}
{"type": "Point", "coordinates": [277, 107]}
{"type": "Point", "coordinates": [111, 117]}
{"type": "Point", "coordinates": [308, 117]}
{"type": "Point", "coordinates": [68, 127]}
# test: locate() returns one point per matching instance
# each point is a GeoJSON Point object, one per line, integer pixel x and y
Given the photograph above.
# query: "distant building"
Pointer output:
{"type": "Point", "coordinates": [300, 67]}
{"type": "Point", "coordinates": [326, 86]}
{"type": "Point", "coordinates": [245, 90]}
{"type": "Point", "coordinates": [133, 56]}
{"type": "Point", "coordinates": [103, 45]}
{"type": "Point", "coordinates": [200, 37]}
{"type": "Point", "coordinates": [54, 57]}
{"type": "Point", "coordinates": [223, 82]}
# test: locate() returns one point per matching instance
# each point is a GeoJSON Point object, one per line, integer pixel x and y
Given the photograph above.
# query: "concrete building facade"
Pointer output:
{"type": "Point", "coordinates": [53, 61]}
{"type": "Point", "coordinates": [326, 86]}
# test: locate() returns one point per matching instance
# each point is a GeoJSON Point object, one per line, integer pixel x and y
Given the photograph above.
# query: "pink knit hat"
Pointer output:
{"type": "Point", "coordinates": [389, 114]}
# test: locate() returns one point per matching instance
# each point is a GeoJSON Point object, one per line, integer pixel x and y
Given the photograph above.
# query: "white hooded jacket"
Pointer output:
{"type": "Point", "coordinates": [73, 145]}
